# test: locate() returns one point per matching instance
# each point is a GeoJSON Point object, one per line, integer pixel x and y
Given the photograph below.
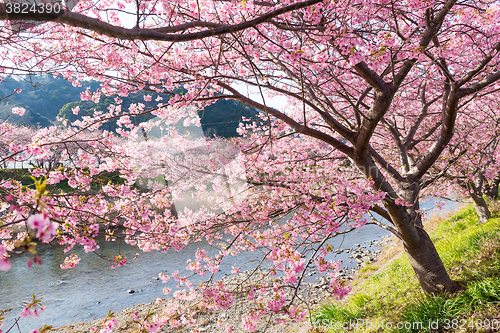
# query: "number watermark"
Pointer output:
{"type": "Point", "coordinates": [25, 14]}
{"type": "Point", "coordinates": [32, 8]}
{"type": "Point", "coordinates": [446, 324]}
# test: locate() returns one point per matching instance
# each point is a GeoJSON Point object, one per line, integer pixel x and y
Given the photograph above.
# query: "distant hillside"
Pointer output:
{"type": "Point", "coordinates": [46, 97]}
{"type": "Point", "coordinates": [29, 118]}
{"type": "Point", "coordinates": [223, 117]}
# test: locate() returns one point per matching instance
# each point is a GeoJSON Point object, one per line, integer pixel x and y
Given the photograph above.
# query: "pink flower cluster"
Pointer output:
{"type": "Point", "coordinates": [18, 111]}
{"type": "Point", "coordinates": [32, 309]}
{"type": "Point", "coordinates": [5, 264]}
{"type": "Point", "coordinates": [45, 229]}
{"type": "Point", "coordinates": [70, 262]}
{"type": "Point", "coordinates": [249, 322]}
{"type": "Point", "coordinates": [109, 325]}
{"type": "Point", "coordinates": [28, 312]}
{"type": "Point", "coordinates": [402, 202]}
{"type": "Point", "coordinates": [119, 260]}
{"type": "Point", "coordinates": [37, 259]}
{"type": "Point", "coordinates": [217, 297]}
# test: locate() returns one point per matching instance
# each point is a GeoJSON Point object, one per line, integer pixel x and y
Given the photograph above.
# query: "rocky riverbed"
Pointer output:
{"type": "Point", "coordinates": [314, 291]}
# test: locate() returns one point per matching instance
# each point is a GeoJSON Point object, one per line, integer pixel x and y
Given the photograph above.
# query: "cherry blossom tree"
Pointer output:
{"type": "Point", "coordinates": [469, 168]}
{"type": "Point", "coordinates": [13, 136]}
{"type": "Point", "coordinates": [472, 162]}
{"type": "Point", "coordinates": [373, 90]}
{"type": "Point", "coordinates": [244, 187]}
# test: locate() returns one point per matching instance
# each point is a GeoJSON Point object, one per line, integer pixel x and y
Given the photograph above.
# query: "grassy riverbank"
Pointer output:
{"type": "Point", "coordinates": [391, 296]}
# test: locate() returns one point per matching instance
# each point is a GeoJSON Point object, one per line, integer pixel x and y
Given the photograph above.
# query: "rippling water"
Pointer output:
{"type": "Point", "coordinates": [92, 288]}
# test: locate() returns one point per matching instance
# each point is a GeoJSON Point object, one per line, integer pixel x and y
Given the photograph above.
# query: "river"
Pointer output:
{"type": "Point", "coordinates": [92, 288]}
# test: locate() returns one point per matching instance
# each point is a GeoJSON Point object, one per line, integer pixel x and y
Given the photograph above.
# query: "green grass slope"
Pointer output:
{"type": "Point", "coordinates": [391, 300]}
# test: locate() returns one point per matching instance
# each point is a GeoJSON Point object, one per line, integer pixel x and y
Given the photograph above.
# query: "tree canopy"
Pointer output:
{"type": "Point", "coordinates": [375, 92]}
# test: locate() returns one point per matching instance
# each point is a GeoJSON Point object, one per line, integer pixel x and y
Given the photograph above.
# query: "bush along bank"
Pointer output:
{"type": "Point", "coordinates": [390, 300]}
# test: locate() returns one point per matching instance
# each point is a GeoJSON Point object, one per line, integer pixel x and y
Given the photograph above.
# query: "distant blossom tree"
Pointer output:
{"type": "Point", "coordinates": [374, 91]}
{"type": "Point", "coordinates": [472, 164]}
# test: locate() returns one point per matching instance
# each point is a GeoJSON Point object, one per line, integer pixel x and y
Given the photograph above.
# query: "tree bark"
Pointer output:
{"type": "Point", "coordinates": [475, 190]}
{"type": "Point", "coordinates": [491, 188]}
{"type": "Point", "coordinates": [428, 267]}
{"type": "Point", "coordinates": [482, 210]}
{"type": "Point", "coordinates": [419, 248]}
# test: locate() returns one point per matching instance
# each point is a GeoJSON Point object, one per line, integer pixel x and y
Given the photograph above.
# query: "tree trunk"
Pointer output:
{"type": "Point", "coordinates": [407, 220]}
{"type": "Point", "coordinates": [482, 210]}
{"type": "Point", "coordinates": [475, 190]}
{"type": "Point", "coordinates": [491, 188]}
{"type": "Point", "coordinates": [421, 252]}
{"type": "Point", "coordinates": [428, 267]}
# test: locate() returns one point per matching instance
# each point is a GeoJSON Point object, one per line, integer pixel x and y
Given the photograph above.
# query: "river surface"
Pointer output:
{"type": "Point", "coordinates": [92, 288]}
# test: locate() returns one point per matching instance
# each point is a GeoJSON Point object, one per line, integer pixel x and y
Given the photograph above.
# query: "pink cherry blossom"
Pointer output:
{"type": "Point", "coordinates": [5, 264]}
{"type": "Point", "coordinates": [70, 262]}
{"type": "Point", "coordinates": [249, 322]}
{"type": "Point", "coordinates": [19, 111]}
{"type": "Point", "coordinates": [25, 313]}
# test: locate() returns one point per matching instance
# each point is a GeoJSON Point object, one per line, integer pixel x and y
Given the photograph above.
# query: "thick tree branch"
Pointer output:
{"type": "Point", "coordinates": [299, 128]}
{"type": "Point", "coordinates": [473, 88]}
{"type": "Point", "coordinates": [381, 211]}
{"type": "Point", "coordinates": [479, 67]}
{"type": "Point", "coordinates": [449, 115]}
{"type": "Point", "coordinates": [386, 166]}
{"type": "Point", "coordinates": [371, 77]}
{"type": "Point", "coordinates": [383, 91]}
{"type": "Point", "coordinates": [100, 27]}
{"type": "Point", "coordinates": [381, 104]}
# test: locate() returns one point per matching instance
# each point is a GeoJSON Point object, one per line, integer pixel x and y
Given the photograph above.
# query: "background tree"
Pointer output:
{"type": "Point", "coordinates": [472, 162]}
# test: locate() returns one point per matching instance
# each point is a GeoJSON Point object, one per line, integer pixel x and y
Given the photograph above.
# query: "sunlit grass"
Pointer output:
{"type": "Point", "coordinates": [471, 254]}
